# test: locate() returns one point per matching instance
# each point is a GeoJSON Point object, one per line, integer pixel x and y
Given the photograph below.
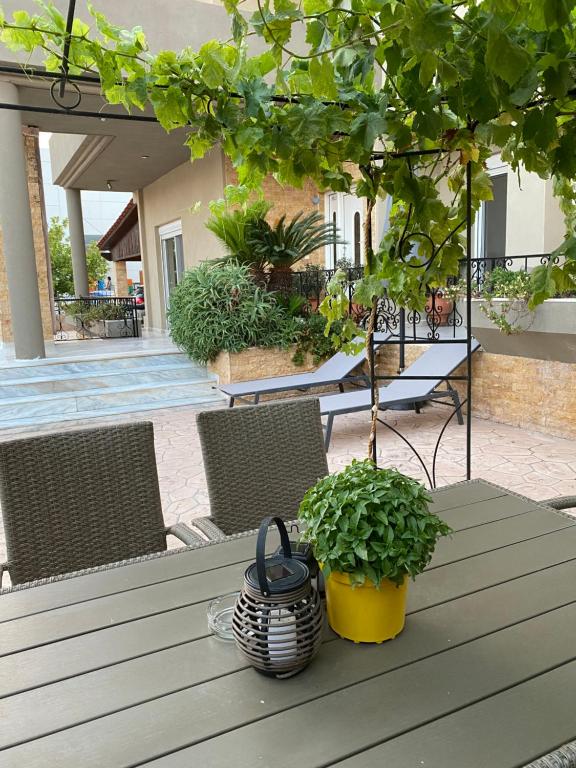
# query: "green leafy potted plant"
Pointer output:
{"type": "Point", "coordinates": [505, 300]}
{"type": "Point", "coordinates": [371, 529]}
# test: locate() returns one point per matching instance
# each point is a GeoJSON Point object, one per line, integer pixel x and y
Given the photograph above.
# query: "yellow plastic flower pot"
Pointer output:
{"type": "Point", "coordinates": [364, 613]}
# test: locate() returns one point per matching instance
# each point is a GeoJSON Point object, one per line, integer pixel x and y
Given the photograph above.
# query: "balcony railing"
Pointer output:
{"type": "Point", "coordinates": [437, 315]}
{"type": "Point", "coordinates": [95, 318]}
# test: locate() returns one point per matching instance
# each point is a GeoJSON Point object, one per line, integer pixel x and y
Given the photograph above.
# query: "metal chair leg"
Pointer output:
{"type": "Point", "coordinates": [328, 433]}
{"type": "Point", "coordinates": [457, 404]}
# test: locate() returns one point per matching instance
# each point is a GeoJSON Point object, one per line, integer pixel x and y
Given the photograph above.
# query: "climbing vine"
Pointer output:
{"type": "Point", "coordinates": [342, 89]}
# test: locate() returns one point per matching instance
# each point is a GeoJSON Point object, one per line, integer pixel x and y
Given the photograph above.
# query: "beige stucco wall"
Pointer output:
{"type": "Point", "coordinates": [525, 214]}
{"type": "Point", "coordinates": [172, 25]}
{"type": "Point", "coordinates": [534, 222]}
{"type": "Point", "coordinates": [169, 199]}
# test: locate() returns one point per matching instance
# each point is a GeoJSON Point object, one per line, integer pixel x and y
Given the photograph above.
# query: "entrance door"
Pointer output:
{"type": "Point", "coordinates": [172, 257]}
{"type": "Point", "coordinates": [346, 212]}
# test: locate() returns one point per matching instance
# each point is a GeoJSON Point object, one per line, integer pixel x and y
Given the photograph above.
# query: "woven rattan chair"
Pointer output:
{"type": "Point", "coordinates": [561, 502]}
{"type": "Point", "coordinates": [259, 461]}
{"type": "Point", "coordinates": [79, 499]}
{"type": "Point", "coordinates": [563, 757]}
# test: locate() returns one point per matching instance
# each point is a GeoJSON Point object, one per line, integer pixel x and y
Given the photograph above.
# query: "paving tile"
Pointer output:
{"type": "Point", "coordinates": [531, 463]}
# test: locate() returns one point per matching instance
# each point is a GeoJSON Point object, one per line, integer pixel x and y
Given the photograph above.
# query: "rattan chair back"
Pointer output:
{"type": "Point", "coordinates": [78, 499]}
{"type": "Point", "coordinates": [260, 460]}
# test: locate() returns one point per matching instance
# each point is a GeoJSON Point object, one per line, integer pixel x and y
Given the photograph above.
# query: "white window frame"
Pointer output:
{"type": "Point", "coordinates": [340, 198]}
{"type": "Point", "coordinates": [168, 232]}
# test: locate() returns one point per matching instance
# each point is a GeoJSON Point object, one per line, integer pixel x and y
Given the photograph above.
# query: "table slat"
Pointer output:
{"type": "Point", "coordinates": [361, 715]}
{"type": "Point", "coordinates": [239, 707]}
{"type": "Point", "coordinates": [537, 716]}
{"type": "Point", "coordinates": [62, 705]}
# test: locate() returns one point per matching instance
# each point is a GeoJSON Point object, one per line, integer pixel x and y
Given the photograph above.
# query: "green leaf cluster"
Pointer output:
{"type": "Point", "coordinates": [370, 523]}
{"type": "Point", "coordinates": [469, 78]}
{"type": "Point", "coordinates": [61, 259]}
{"type": "Point", "coordinates": [218, 307]}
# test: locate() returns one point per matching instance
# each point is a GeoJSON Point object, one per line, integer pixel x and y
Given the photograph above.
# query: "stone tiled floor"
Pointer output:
{"type": "Point", "coordinates": [531, 463]}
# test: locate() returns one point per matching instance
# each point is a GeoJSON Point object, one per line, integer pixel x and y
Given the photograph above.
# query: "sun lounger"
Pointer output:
{"type": "Point", "coordinates": [439, 361]}
{"type": "Point", "coordinates": [337, 370]}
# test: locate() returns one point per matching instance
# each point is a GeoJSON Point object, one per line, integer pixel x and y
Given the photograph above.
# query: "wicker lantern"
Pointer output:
{"type": "Point", "coordinates": [277, 622]}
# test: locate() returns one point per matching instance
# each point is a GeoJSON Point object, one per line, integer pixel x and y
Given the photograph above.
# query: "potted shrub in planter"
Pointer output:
{"type": "Point", "coordinates": [112, 321]}
{"type": "Point", "coordinates": [439, 306]}
{"type": "Point", "coordinates": [286, 243]}
{"type": "Point", "coordinates": [371, 529]}
{"type": "Point", "coordinates": [77, 315]}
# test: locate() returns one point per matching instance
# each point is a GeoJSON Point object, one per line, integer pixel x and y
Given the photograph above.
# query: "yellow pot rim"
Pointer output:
{"type": "Point", "coordinates": [344, 578]}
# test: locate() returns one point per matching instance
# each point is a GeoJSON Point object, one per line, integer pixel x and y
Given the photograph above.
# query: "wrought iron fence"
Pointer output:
{"type": "Point", "coordinates": [483, 266]}
{"type": "Point", "coordinates": [439, 312]}
{"type": "Point", "coordinates": [94, 317]}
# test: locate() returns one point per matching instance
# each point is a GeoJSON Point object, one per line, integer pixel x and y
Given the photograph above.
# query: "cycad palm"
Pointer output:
{"type": "Point", "coordinates": [283, 245]}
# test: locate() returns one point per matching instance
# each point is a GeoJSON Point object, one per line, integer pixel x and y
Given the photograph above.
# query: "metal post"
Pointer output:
{"type": "Point", "coordinates": [402, 346]}
{"type": "Point", "coordinates": [469, 320]}
{"type": "Point", "coordinates": [373, 391]}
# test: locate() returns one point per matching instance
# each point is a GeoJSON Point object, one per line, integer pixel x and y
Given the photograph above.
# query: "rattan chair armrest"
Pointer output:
{"type": "Point", "coordinates": [563, 757]}
{"type": "Point", "coordinates": [182, 532]}
{"type": "Point", "coordinates": [560, 502]}
{"type": "Point", "coordinates": [208, 529]}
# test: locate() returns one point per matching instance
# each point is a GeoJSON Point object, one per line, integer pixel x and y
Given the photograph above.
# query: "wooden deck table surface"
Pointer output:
{"type": "Point", "coordinates": [116, 668]}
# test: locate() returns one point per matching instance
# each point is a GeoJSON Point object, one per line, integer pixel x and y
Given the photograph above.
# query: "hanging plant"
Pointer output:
{"type": "Point", "coordinates": [506, 296]}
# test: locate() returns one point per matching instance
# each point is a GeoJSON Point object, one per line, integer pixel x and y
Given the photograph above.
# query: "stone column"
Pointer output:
{"type": "Point", "coordinates": [17, 234]}
{"type": "Point", "coordinates": [77, 242]}
{"type": "Point", "coordinates": [120, 278]}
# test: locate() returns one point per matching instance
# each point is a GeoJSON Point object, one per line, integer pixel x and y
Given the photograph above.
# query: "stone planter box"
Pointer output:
{"type": "Point", "coordinates": [550, 333]}
{"type": "Point", "coordinates": [257, 363]}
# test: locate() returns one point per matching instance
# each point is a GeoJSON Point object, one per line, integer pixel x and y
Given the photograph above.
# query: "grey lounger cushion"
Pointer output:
{"type": "Point", "coordinates": [439, 361]}
{"type": "Point", "coordinates": [334, 370]}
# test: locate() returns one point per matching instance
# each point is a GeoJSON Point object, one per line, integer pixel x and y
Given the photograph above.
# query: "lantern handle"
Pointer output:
{"type": "Point", "coordinates": [261, 549]}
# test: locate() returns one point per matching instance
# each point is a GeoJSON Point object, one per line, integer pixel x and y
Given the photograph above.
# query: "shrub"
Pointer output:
{"type": "Point", "coordinates": [218, 307]}
{"type": "Point", "coordinates": [109, 311]}
{"type": "Point", "coordinates": [311, 337]}
{"type": "Point", "coordinates": [371, 524]}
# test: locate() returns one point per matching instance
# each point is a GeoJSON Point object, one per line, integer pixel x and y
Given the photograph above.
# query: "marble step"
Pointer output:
{"type": "Point", "coordinates": [23, 424]}
{"type": "Point", "coordinates": [56, 405]}
{"type": "Point", "coordinates": [40, 386]}
{"type": "Point", "coordinates": [55, 368]}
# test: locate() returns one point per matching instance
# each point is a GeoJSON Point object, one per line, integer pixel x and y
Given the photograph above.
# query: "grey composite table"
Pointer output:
{"type": "Point", "coordinates": [117, 668]}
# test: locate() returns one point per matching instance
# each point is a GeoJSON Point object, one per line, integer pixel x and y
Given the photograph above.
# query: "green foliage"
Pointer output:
{"type": "Point", "coordinates": [512, 315]}
{"type": "Point", "coordinates": [285, 244]}
{"type": "Point", "coordinates": [218, 307]}
{"type": "Point", "coordinates": [294, 304]}
{"type": "Point", "coordinates": [503, 283]}
{"type": "Point", "coordinates": [233, 220]}
{"type": "Point", "coordinates": [371, 524]}
{"type": "Point", "coordinates": [103, 310]}
{"type": "Point", "coordinates": [61, 258]}
{"type": "Point", "coordinates": [79, 310]}
{"type": "Point", "coordinates": [392, 75]}
{"type": "Point", "coordinates": [96, 263]}
{"type": "Point", "coordinates": [312, 338]}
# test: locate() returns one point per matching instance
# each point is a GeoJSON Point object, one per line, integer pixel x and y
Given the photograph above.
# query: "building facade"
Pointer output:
{"type": "Point", "coordinates": [106, 154]}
